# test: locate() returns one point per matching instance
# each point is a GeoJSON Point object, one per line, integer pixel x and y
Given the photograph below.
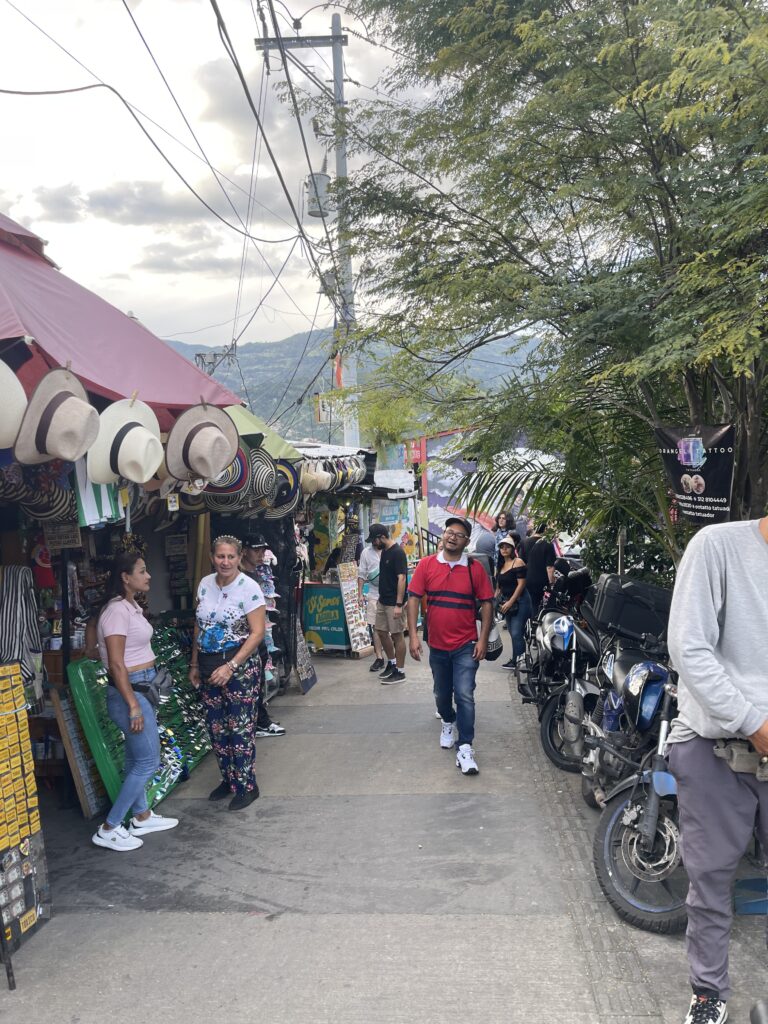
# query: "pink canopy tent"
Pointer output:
{"type": "Point", "coordinates": [112, 354]}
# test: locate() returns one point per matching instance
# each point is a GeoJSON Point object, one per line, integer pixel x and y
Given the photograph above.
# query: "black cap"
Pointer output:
{"type": "Point", "coordinates": [462, 522]}
{"type": "Point", "coordinates": [255, 542]}
{"type": "Point", "coordinates": [377, 530]}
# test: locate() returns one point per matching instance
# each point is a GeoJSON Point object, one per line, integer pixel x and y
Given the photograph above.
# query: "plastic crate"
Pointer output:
{"type": "Point", "coordinates": [629, 607]}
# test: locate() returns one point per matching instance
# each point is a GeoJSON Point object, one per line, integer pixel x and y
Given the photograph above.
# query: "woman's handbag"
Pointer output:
{"type": "Point", "coordinates": [495, 643]}
{"type": "Point", "coordinates": [158, 690]}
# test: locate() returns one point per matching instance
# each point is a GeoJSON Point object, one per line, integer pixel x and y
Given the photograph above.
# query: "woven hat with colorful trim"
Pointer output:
{"type": "Point", "coordinates": [236, 477]}
{"type": "Point", "coordinates": [288, 494]}
{"type": "Point", "coordinates": [263, 474]}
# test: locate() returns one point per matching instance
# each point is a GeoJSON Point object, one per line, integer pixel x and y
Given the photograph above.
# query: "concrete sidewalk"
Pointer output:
{"type": "Point", "coordinates": [370, 884]}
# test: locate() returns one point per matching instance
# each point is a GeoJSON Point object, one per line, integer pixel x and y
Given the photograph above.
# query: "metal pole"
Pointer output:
{"type": "Point", "coordinates": [349, 362]}
{"type": "Point", "coordinates": [622, 547]}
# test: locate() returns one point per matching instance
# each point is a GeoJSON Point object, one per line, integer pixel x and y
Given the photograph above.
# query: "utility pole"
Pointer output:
{"type": "Point", "coordinates": [345, 319]}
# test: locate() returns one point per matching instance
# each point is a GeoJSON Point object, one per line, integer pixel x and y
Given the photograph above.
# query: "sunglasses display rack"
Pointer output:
{"type": "Point", "coordinates": [181, 722]}
{"type": "Point", "coordinates": [24, 893]}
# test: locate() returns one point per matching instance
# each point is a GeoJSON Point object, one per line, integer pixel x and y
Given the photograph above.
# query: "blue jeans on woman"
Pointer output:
{"type": "Point", "coordinates": [142, 749]}
{"type": "Point", "coordinates": [454, 674]}
{"type": "Point", "coordinates": [516, 624]}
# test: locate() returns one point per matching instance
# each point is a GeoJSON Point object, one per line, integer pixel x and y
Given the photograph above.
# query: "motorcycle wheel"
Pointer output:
{"type": "Point", "coordinates": [552, 738]}
{"type": "Point", "coordinates": [588, 793]}
{"type": "Point", "coordinates": [646, 890]}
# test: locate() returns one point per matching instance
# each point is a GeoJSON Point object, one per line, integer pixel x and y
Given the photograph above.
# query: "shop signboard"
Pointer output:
{"type": "Point", "coordinates": [325, 624]}
{"type": "Point", "coordinates": [62, 536]}
{"type": "Point", "coordinates": [699, 462]}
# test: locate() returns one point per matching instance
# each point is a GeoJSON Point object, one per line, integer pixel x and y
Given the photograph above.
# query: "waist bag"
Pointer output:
{"type": "Point", "coordinates": [741, 757]}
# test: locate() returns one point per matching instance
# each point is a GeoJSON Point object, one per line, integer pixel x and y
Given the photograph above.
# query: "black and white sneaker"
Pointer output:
{"type": "Point", "coordinates": [388, 671]}
{"type": "Point", "coordinates": [273, 729]}
{"type": "Point", "coordinates": [706, 1010]}
{"type": "Point", "coordinates": [395, 676]}
{"type": "Point", "coordinates": [377, 666]}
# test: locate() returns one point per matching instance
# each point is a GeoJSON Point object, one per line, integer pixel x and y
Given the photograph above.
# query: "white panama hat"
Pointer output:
{"type": "Point", "coordinates": [14, 405]}
{"type": "Point", "coordinates": [128, 444]}
{"type": "Point", "coordinates": [202, 443]}
{"type": "Point", "coordinates": [59, 422]}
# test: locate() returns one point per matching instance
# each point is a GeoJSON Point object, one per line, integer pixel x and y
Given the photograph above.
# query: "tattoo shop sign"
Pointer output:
{"type": "Point", "coordinates": [699, 463]}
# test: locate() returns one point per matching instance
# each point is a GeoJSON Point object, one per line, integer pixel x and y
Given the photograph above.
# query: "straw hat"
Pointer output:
{"type": "Point", "coordinates": [202, 443]}
{"type": "Point", "coordinates": [235, 477]}
{"type": "Point", "coordinates": [128, 444]}
{"type": "Point", "coordinates": [58, 423]}
{"type": "Point", "coordinates": [13, 406]}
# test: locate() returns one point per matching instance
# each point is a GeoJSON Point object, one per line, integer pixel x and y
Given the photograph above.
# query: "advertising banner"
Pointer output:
{"type": "Point", "coordinates": [699, 462]}
{"type": "Point", "coordinates": [325, 625]}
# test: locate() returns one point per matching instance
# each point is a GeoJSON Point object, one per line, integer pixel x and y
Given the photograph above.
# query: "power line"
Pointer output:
{"type": "Point", "coordinates": [296, 367]}
{"type": "Point", "coordinates": [228, 46]}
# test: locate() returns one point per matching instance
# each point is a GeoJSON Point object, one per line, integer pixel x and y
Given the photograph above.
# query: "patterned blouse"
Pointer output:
{"type": "Point", "coordinates": [222, 612]}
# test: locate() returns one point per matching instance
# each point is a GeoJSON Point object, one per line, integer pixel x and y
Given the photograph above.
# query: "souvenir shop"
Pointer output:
{"type": "Point", "coordinates": [96, 456]}
{"type": "Point", "coordinates": [347, 492]}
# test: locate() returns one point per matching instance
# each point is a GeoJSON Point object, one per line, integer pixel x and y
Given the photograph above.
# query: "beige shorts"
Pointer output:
{"type": "Point", "coordinates": [370, 611]}
{"type": "Point", "coordinates": [387, 621]}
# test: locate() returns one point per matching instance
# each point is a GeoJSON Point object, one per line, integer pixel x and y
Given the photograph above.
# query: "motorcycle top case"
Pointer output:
{"type": "Point", "coordinates": [628, 607]}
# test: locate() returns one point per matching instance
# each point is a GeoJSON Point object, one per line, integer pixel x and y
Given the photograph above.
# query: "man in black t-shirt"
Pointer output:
{"type": "Point", "coordinates": [540, 555]}
{"type": "Point", "coordinates": [390, 618]}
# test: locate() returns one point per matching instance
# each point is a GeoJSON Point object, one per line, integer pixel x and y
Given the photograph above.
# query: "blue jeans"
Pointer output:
{"type": "Point", "coordinates": [516, 624]}
{"type": "Point", "coordinates": [142, 750]}
{"type": "Point", "coordinates": [454, 674]}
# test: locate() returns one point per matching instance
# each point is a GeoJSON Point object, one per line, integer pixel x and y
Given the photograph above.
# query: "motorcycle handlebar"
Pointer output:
{"type": "Point", "coordinates": [646, 639]}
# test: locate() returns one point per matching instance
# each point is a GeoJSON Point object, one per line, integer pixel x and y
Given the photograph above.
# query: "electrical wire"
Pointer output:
{"type": "Point", "coordinates": [228, 46]}
{"type": "Point", "coordinates": [296, 367]}
{"type": "Point", "coordinates": [297, 114]}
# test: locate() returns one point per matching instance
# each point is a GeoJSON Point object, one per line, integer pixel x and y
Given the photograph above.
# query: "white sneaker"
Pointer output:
{"type": "Point", "coordinates": [706, 1010]}
{"type": "Point", "coordinates": [446, 736]}
{"type": "Point", "coordinates": [118, 839]}
{"type": "Point", "coordinates": [154, 823]}
{"type": "Point", "coordinates": [465, 759]}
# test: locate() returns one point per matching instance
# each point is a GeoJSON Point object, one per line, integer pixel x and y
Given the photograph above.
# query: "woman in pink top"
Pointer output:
{"type": "Point", "coordinates": [124, 638]}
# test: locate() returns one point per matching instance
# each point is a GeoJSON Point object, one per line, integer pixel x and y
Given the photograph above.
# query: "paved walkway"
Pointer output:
{"type": "Point", "coordinates": [370, 884]}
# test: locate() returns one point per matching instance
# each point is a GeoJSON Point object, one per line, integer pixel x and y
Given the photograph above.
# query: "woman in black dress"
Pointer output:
{"type": "Point", "coordinates": [516, 606]}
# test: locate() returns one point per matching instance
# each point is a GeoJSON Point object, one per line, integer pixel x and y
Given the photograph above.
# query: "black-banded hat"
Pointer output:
{"type": "Point", "coordinates": [202, 443]}
{"type": "Point", "coordinates": [287, 493]}
{"type": "Point", "coordinates": [59, 422]}
{"type": "Point", "coordinates": [128, 444]}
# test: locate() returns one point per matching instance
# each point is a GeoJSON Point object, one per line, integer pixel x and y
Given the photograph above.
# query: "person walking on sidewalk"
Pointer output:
{"type": "Point", "coordinates": [390, 608]}
{"type": "Point", "coordinates": [368, 572]}
{"type": "Point", "coordinates": [124, 641]}
{"type": "Point", "coordinates": [515, 604]}
{"type": "Point", "coordinates": [225, 665]}
{"type": "Point", "coordinates": [453, 585]}
{"type": "Point", "coordinates": [252, 563]}
{"type": "Point", "coordinates": [716, 635]}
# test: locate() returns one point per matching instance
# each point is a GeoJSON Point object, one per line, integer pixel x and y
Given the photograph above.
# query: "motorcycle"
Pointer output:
{"type": "Point", "coordinates": [636, 849]}
{"type": "Point", "coordinates": [568, 642]}
{"type": "Point", "coordinates": [610, 728]}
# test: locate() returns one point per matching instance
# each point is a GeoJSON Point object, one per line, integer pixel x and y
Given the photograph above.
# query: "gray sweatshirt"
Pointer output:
{"type": "Point", "coordinates": [718, 633]}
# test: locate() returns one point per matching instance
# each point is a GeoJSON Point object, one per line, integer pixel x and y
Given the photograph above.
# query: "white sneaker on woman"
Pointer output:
{"type": "Point", "coordinates": [154, 823]}
{"type": "Point", "coordinates": [118, 839]}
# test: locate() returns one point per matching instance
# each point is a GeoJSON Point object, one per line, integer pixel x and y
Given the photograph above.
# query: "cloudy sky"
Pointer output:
{"type": "Point", "coordinates": [79, 172]}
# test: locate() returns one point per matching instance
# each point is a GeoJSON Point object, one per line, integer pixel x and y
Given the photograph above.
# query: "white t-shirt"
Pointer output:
{"type": "Point", "coordinates": [368, 570]}
{"type": "Point", "coordinates": [222, 611]}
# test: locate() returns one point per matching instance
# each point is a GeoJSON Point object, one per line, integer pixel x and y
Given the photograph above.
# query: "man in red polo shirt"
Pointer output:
{"type": "Point", "coordinates": [453, 585]}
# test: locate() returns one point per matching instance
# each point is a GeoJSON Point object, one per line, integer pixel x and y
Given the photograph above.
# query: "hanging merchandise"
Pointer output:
{"type": "Point", "coordinates": [13, 407]}
{"type": "Point", "coordinates": [19, 633]}
{"type": "Point", "coordinates": [59, 422]}
{"type": "Point", "coordinates": [24, 894]}
{"type": "Point", "coordinates": [97, 504]}
{"type": "Point", "coordinates": [128, 444]}
{"type": "Point", "coordinates": [357, 628]}
{"type": "Point", "coordinates": [202, 443]}
{"type": "Point", "coordinates": [288, 493]}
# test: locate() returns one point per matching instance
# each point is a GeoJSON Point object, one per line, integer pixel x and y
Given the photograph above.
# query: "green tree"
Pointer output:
{"type": "Point", "coordinates": [593, 172]}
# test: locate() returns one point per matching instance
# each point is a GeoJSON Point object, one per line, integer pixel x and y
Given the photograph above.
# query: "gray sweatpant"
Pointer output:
{"type": "Point", "coordinates": [718, 813]}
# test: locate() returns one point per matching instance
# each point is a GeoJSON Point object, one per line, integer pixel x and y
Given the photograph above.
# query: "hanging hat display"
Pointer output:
{"type": "Point", "coordinates": [128, 444]}
{"type": "Point", "coordinates": [263, 474]}
{"type": "Point", "coordinates": [236, 477]}
{"type": "Point", "coordinates": [202, 443]}
{"type": "Point", "coordinates": [13, 406]}
{"type": "Point", "coordinates": [59, 422]}
{"type": "Point", "coordinates": [288, 494]}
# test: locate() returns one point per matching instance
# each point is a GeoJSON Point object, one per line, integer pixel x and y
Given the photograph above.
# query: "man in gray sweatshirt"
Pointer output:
{"type": "Point", "coordinates": [718, 642]}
